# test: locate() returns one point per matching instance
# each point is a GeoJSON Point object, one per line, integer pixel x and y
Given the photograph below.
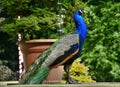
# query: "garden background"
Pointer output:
{"type": "Point", "coordinates": [101, 52]}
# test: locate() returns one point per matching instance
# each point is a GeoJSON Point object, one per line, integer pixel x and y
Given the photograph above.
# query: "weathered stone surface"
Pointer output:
{"type": "Point", "coordinates": [99, 84]}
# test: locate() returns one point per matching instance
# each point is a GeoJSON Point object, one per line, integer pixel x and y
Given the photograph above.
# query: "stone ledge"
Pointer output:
{"type": "Point", "coordinates": [8, 83]}
{"type": "Point", "coordinates": [99, 84]}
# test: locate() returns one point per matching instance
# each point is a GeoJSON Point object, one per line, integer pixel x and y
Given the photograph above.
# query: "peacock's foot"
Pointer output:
{"type": "Point", "coordinates": [71, 81]}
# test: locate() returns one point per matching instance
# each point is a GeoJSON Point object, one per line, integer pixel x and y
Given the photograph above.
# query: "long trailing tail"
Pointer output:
{"type": "Point", "coordinates": [60, 49]}
{"type": "Point", "coordinates": [36, 74]}
{"type": "Point", "coordinates": [39, 76]}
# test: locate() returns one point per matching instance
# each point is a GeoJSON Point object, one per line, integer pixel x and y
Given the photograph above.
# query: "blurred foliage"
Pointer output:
{"type": "Point", "coordinates": [5, 73]}
{"type": "Point", "coordinates": [80, 72]}
{"type": "Point", "coordinates": [35, 22]}
{"type": "Point", "coordinates": [101, 50]}
{"type": "Point", "coordinates": [8, 52]}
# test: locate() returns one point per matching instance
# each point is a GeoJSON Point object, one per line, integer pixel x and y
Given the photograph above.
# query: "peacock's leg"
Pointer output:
{"type": "Point", "coordinates": [68, 77]}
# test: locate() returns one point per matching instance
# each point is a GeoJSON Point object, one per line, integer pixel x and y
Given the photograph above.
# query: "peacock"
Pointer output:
{"type": "Point", "coordinates": [63, 52]}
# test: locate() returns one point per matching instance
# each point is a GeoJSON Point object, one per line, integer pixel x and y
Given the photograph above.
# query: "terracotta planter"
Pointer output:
{"type": "Point", "coordinates": [32, 49]}
{"type": "Point", "coordinates": [55, 75]}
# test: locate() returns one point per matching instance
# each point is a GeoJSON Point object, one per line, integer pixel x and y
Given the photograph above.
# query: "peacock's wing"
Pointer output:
{"type": "Point", "coordinates": [63, 51]}
{"type": "Point", "coordinates": [40, 68]}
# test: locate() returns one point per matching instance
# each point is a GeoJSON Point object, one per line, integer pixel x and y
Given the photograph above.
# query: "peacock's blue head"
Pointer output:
{"type": "Point", "coordinates": [81, 11]}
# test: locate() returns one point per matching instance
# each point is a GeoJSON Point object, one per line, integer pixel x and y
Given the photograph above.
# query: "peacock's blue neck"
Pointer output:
{"type": "Point", "coordinates": [81, 27]}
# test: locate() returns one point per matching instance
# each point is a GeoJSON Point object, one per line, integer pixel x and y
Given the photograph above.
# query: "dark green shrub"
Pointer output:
{"type": "Point", "coordinates": [101, 50]}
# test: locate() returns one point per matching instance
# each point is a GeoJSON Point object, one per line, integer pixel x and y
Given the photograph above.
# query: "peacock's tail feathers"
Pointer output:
{"type": "Point", "coordinates": [37, 64]}
{"type": "Point", "coordinates": [48, 57]}
{"type": "Point", "coordinates": [38, 76]}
